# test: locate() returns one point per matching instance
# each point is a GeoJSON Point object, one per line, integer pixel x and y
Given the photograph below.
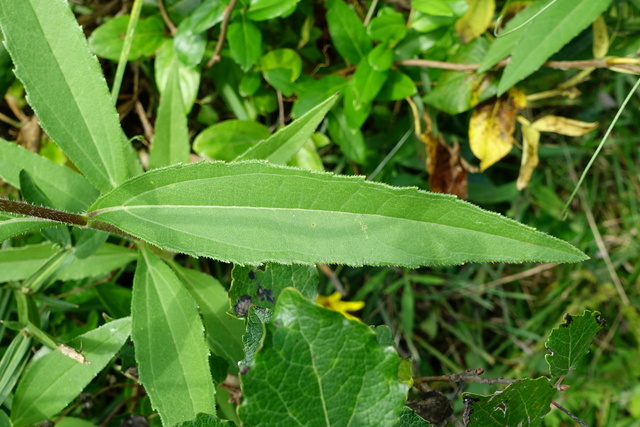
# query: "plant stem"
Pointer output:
{"type": "Point", "coordinates": [223, 34]}
{"type": "Point", "coordinates": [124, 54]}
{"type": "Point", "coordinates": [566, 411]}
{"type": "Point", "coordinates": [23, 208]}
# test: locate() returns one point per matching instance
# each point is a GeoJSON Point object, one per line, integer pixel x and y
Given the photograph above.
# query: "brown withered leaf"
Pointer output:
{"type": "Point", "coordinates": [530, 141]}
{"type": "Point", "coordinates": [30, 134]}
{"type": "Point", "coordinates": [492, 125]}
{"type": "Point", "coordinates": [563, 126]}
{"type": "Point", "coordinates": [447, 172]}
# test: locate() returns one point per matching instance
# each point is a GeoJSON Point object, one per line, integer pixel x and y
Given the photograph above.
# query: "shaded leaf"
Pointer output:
{"type": "Point", "coordinates": [188, 77]}
{"type": "Point", "coordinates": [253, 212]}
{"type": "Point", "coordinates": [67, 190]}
{"type": "Point", "coordinates": [206, 420]}
{"type": "Point", "coordinates": [245, 42]}
{"type": "Point", "coordinates": [229, 139]}
{"type": "Point", "coordinates": [477, 19]}
{"type": "Point", "coordinates": [223, 332]}
{"type": "Point", "coordinates": [280, 147]}
{"type": "Point", "coordinates": [563, 126]}
{"type": "Point", "coordinates": [359, 95]}
{"type": "Point", "coordinates": [523, 403]}
{"type": "Point", "coordinates": [530, 141]}
{"type": "Point", "coordinates": [387, 27]}
{"type": "Point", "coordinates": [491, 128]}
{"type": "Point", "coordinates": [252, 339]}
{"type": "Point", "coordinates": [350, 140]}
{"type": "Point", "coordinates": [397, 86]}
{"type": "Point", "coordinates": [317, 91]}
{"type": "Point", "coordinates": [262, 286]}
{"type": "Point", "coordinates": [106, 41]}
{"type": "Point", "coordinates": [51, 382]}
{"type": "Point", "coordinates": [381, 57]}
{"type": "Point", "coordinates": [332, 370]}
{"type": "Point", "coordinates": [347, 32]}
{"type": "Point", "coordinates": [189, 44]}
{"type": "Point", "coordinates": [571, 340]}
{"type": "Point", "coordinates": [408, 418]}
{"type": "Point", "coordinates": [65, 87]}
{"type": "Point", "coordinates": [170, 348]}
{"type": "Point", "coordinates": [171, 139]}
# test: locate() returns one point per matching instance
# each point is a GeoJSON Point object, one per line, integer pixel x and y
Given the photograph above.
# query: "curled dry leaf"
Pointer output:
{"type": "Point", "coordinates": [563, 126]}
{"type": "Point", "coordinates": [530, 138]}
{"type": "Point", "coordinates": [447, 173]}
{"type": "Point", "coordinates": [491, 127]}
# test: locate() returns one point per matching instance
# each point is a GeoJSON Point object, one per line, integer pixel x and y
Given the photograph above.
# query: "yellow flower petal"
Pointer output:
{"type": "Point", "coordinates": [334, 302]}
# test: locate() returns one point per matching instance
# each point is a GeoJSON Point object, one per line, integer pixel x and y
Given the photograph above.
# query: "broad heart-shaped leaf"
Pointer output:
{"type": "Point", "coordinates": [318, 368]}
{"type": "Point", "coordinates": [254, 212]}
{"type": "Point", "coordinates": [523, 403]}
{"type": "Point", "coordinates": [13, 225]}
{"type": "Point", "coordinates": [347, 31]}
{"type": "Point", "coordinates": [66, 189]}
{"type": "Point", "coordinates": [21, 262]}
{"type": "Point", "coordinates": [223, 332]}
{"type": "Point", "coordinates": [262, 286]}
{"type": "Point", "coordinates": [170, 348]}
{"type": "Point", "coordinates": [65, 87]}
{"type": "Point", "coordinates": [570, 342]}
{"type": "Point", "coordinates": [284, 144]}
{"type": "Point", "coordinates": [171, 139]}
{"type": "Point", "coordinates": [51, 382]}
{"type": "Point", "coordinates": [546, 34]}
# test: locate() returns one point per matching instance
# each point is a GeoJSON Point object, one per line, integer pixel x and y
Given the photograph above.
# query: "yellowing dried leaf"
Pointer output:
{"type": "Point", "coordinates": [530, 141]}
{"type": "Point", "coordinates": [476, 20]}
{"type": "Point", "coordinates": [600, 38]}
{"type": "Point", "coordinates": [491, 128]}
{"type": "Point", "coordinates": [563, 126]}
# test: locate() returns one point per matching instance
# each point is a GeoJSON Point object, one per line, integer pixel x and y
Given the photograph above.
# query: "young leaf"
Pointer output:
{"type": "Point", "coordinates": [254, 212]}
{"type": "Point", "coordinates": [171, 140]}
{"type": "Point", "coordinates": [65, 87]}
{"type": "Point", "coordinates": [523, 403]}
{"type": "Point", "coordinates": [51, 382]}
{"type": "Point", "coordinates": [12, 225]}
{"type": "Point", "coordinates": [189, 78]}
{"type": "Point", "coordinates": [66, 189]}
{"type": "Point", "coordinates": [170, 348]}
{"type": "Point", "coordinates": [281, 147]}
{"type": "Point", "coordinates": [347, 32]}
{"type": "Point", "coordinates": [571, 341]}
{"type": "Point", "coordinates": [546, 34]}
{"type": "Point", "coordinates": [106, 41]}
{"type": "Point", "coordinates": [362, 90]}
{"type": "Point", "coordinates": [397, 86]}
{"type": "Point", "coordinates": [223, 332]}
{"type": "Point", "coordinates": [331, 371]}
{"type": "Point", "coordinates": [262, 286]}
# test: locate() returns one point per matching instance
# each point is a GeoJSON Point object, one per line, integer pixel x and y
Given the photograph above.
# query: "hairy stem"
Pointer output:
{"type": "Point", "coordinates": [24, 208]}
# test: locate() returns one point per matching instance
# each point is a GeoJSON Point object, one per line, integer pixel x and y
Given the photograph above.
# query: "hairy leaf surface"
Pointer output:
{"type": "Point", "coordinates": [254, 212]}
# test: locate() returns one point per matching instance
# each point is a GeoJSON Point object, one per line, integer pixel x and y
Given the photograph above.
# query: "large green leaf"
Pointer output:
{"type": "Point", "coordinates": [330, 371]}
{"type": "Point", "coordinates": [347, 31]}
{"type": "Point", "coordinates": [170, 348]}
{"type": "Point", "coordinates": [570, 342]}
{"type": "Point", "coordinates": [284, 144]}
{"type": "Point", "coordinates": [171, 140]}
{"type": "Point", "coordinates": [66, 189]}
{"type": "Point", "coordinates": [51, 382]}
{"type": "Point", "coordinates": [223, 332]}
{"type": "Point", "coordinates": [523, 403]}
{"type": "Point", "coordinates": [13, 225]}
{"type": "Point", "coordinates": [252, 212]}
{"type": "Point", "coordinates": [65, 87]}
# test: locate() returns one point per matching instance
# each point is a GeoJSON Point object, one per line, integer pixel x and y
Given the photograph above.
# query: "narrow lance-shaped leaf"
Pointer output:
{"type": "Point", "coordinates": [65, 86]}
{"type": "Point", "coordinates": [53, 381]}
{"type": "Point", "coordinates": [13, 225]}
{"type": "Point", "coordinates": [252, 212]}
{"type": "Point", "coordinates": [171, 140]}
{"type": "Point", "coordinates": [170, 347]}
{"type": "Point", "coordinates": [283, 145]}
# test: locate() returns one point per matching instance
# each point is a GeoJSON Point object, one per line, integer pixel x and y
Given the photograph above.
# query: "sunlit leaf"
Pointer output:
{"type": "Point", "coordinates": [491, 127]}
{"type": "Point", "coordinates": [530, 140]}
{"type": "Point", "coordinates": [600, 38]}
{"type": "Point", "coordinates": [106, 41]}
{"type": "Point", "coordinates": [347, 32]}
{"type": "Point", "coordinates": [245, 42]}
